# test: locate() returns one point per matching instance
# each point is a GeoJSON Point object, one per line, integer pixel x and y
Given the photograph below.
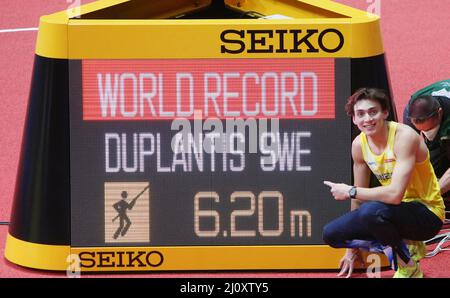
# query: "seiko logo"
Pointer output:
{"type": "Point", "coordinates": [117, 259]}
{"type": "Point", "coordinates": [281, 41]}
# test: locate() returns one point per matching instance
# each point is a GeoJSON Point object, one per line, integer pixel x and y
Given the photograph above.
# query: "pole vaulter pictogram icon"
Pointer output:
{"type": "Point", "coordinates": [121, 207]}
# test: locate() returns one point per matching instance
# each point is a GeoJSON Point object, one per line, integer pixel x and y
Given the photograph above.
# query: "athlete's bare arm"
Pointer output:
{"type": "Point", "coordinates": [444, 182]}
{"type": "Point", "coordinates": [361, 172]}
{"type": "Point", "coordinates": [408, 149]}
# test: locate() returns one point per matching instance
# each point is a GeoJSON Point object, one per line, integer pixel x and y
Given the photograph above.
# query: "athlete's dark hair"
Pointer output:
{"type": "Point", "coordinates": [378, 95]}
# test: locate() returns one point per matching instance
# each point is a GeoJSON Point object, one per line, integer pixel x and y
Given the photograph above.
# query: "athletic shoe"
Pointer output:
{"type": "Point", "coordinates": [417, 250]}
{"type": "Point", "coordinates": [412, 271]}
{"type": "Point", "coordinates": [399, 257]}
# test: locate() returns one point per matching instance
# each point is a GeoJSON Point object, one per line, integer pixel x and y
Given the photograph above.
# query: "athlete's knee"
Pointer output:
{"type": "Point", "coordinates": [330, 236]}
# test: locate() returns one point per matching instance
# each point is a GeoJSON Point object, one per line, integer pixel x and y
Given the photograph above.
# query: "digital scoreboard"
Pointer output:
{"type": "Point", "coordinates": [191, 144]}
{"type": "Point", "coordinates": [233, 151]}
{"type": "Point", "coordinates": [215, 152]}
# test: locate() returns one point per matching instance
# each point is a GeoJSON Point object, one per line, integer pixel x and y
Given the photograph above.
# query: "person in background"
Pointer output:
{"type": "Point", "coordinates": [428, 112]}
{"type": "Point", "coordinates": [407, 205]}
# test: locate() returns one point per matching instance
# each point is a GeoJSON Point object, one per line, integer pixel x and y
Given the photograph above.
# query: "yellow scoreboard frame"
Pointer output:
{"type": "Point", "coordinates": [40, 230]}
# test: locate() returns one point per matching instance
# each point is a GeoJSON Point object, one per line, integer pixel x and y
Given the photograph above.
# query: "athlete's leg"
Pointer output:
{"type": "Point", "coordinates": [390, 224]}
{"type": "Point", "coordinates": [347, 232]}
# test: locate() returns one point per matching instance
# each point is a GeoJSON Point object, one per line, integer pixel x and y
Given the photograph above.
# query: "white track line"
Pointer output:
{"type": "Point", "coordinates": [18, 30]}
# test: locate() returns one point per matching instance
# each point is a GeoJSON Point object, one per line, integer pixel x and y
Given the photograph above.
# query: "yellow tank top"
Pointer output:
{"type": "Point", "coordinates": [423, 185]}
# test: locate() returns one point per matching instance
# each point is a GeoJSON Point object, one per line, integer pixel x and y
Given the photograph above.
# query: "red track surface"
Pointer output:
{"type": "Point", "coordinates": [415, 35]}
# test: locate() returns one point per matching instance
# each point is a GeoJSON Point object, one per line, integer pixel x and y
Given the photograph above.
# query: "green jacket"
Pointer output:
{"type": "Point", "coordinates": [441, 88]}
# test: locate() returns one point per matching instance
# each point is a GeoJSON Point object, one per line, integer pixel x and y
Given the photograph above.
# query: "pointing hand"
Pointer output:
{"type": "Point", "coordinates": [338, 190]}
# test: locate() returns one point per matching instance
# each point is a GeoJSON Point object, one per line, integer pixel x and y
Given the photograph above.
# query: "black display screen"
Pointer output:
{"type": "Point", "coordinates": [206, 151]}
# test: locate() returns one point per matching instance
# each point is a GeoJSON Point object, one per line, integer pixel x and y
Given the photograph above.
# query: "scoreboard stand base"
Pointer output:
{"type": "Point", "coordinates": [97, 259]}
